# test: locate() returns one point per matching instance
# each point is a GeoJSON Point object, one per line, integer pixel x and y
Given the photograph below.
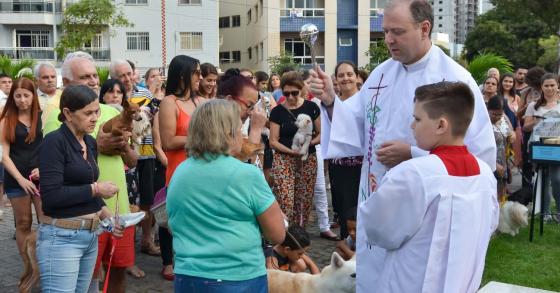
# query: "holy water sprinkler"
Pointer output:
{"type": "Point", "coordinates": [308, 34]}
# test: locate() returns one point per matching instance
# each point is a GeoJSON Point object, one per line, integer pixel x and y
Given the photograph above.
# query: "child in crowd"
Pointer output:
{"type": "Point", "coordinates": [431, 217]}
{"type": "Point", "coordinates": [347, 247]}
{"type": "Point", "coordinates": [290, 255]}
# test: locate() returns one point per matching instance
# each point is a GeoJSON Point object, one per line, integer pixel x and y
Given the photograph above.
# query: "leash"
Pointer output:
{"type": "Point", "coordinates": [113, 245]}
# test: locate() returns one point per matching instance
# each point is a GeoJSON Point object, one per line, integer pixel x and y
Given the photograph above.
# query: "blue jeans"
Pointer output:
{"type": "Point", "coordinates": [554, 189]}
{"type": "Point", "coordinates": [188, 284]}
{"type": "Point", "coordinates": [66, 258]}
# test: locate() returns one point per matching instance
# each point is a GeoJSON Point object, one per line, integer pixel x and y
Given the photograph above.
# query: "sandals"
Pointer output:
{"type": "Point", "coordinates": [329, 235]}
{"type": "Point", "coordinates": [135, 272]}
{"type": "Point", "coordinates": [150, 249]}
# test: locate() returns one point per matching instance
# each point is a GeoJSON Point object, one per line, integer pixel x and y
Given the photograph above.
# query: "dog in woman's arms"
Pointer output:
{"type": "Point", "coordinates": [302, 138]}
{"type": "Point", "coordinates": [122, 123]}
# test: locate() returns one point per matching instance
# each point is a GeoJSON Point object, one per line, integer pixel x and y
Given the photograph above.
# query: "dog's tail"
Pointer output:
{"type": "Point", "coordinates": [519, 215]}
{"type": "Point", "coordinates": [30, 274]}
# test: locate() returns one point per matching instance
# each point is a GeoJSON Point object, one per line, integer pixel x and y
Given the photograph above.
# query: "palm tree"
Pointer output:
{"type": "Point", "coordinates": [479, 66]}
{"type": "Point", "coordinates": [18, 68]}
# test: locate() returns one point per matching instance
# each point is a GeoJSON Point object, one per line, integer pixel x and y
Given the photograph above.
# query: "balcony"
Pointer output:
{"type": "Point", "coordinates": [99, 54]}
{"type": "Point", "coordinates": [376, 23]}
{"type": "Point", "coordinates": [36, 53]}
{"type": "Point", "coordinates": [291, 20]}
{"type": "Point", "coordinates": [30, 12]}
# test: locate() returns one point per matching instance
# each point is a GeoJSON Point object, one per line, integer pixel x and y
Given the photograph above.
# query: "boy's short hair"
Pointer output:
{"type": "Point", "coordinates": [453, 100]}
{"type": "Point", "coordinates": [296, 238]}
{"type": "Point", "coordinates": [495, 103]}
{"type": "Point", "coordinates": [352, 214]}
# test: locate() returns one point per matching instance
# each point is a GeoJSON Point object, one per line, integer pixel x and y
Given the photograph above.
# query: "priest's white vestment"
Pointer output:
{"type": "Point", "coordinates": [381, 112]}
{"type": "Point", "coordinates": [434, 227]}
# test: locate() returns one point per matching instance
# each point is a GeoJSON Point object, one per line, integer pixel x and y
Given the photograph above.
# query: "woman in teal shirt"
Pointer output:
{"type": "Point", "coordinates": [218, 206]}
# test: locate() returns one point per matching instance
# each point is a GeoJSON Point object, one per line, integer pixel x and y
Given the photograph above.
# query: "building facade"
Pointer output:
{"type": "Point", "coordinates": [251, 31]}
{"type": "Point", "coordinates": [453, 19]}
{"type": "Point", "coordinates": [162, 29]}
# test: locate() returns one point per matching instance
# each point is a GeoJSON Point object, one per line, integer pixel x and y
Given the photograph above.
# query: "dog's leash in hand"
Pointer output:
{"type": "Point", "coordinates": [113, 245]}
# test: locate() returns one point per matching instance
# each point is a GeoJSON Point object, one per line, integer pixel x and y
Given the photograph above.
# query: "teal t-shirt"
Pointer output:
{"type": "Point", "coordinates": [212, 208]}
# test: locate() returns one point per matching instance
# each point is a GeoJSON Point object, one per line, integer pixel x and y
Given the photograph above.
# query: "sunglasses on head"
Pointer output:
{"type": "Point", "coordinates": [290, 93]}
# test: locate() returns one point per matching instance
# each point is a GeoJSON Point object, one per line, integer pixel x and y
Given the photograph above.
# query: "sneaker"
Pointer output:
{"type": "Point", "coordinates": [547, 218]}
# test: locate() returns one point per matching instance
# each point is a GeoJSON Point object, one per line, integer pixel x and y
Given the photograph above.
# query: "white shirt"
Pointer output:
{"type": "Point", "coordinates": [430, 230]}
{"type": "Point", "coordinates": [381, 112]}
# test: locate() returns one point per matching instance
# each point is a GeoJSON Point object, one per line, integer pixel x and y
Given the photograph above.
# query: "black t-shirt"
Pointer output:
{"type": "Point", "coordinates": [282, 116]}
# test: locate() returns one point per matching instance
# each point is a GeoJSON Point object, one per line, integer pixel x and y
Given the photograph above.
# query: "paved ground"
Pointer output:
{"type": "Point", "coordinates": [11, 266]}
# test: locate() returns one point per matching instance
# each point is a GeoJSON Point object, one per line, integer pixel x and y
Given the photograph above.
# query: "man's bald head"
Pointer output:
{"type": "Point", "coordinates": [420, 10]}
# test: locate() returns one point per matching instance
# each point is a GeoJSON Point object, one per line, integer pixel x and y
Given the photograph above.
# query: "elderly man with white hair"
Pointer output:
{"type": "Point", "coordinates": [45, 76]}
{"type": "Point", "coordinates": [114, 153]}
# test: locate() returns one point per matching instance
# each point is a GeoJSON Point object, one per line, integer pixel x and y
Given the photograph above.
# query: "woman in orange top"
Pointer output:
{"type": "Point", "coordinates": [183, 80]}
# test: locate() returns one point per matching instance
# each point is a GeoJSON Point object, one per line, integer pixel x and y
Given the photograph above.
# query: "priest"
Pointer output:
{"type": "Point", "coordinates": [375, 123]}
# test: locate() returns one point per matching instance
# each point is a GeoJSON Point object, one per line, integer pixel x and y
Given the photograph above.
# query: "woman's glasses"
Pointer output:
{"type": "Point", "coordinates": [290, 93]}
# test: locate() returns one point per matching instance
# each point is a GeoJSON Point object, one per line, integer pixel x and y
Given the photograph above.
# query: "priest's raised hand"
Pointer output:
{"type": "Point", "coordinates": [322, 87]}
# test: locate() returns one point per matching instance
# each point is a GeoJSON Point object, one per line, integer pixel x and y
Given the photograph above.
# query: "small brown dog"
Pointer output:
{"type": "Point", "coordinates": [123, 122]}
{"type": "Point", "coordinates": [30, 274]}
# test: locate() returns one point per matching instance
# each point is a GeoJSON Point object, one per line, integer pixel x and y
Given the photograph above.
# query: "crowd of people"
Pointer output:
{"type": "Point", "coordinates": [220, 147]}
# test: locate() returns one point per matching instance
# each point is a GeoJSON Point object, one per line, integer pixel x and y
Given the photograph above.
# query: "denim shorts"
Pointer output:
{"type": "Point", "coordinates": [1, 173]}
{"type": "Point", "coordinates": [66, 258]}
{"type": "Point", "coordinates": [15, 192]}
{"type": "Point", "coordinates": [184, 283]}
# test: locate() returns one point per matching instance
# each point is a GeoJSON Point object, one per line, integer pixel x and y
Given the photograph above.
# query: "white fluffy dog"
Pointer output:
{"type": "Point", "coordinates": [338, 277]}
{"type": "Point", "coordinates": [302, 139]}
{"type": "Point", "coordinates": [513, 216]}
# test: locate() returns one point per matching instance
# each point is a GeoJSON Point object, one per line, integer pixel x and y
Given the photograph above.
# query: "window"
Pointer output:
{"type": "Point", "coordinates": [345, 42]}
{"type": "Point", "coordinates": [191, 40]}
{"type": "Point", "coordinates": [96, 42]}
{"type": "Point", "coordinates": [224, 22]}
{"type": "Point", "coordinates": [32, 39]}
{"type": "Point", "coordinates": [250, 53]}
{"type": "Point", "coordinates": [257, 12]}
{"type": "Point", "coordinates": [224, 57]}
{"type": "Point", "coordinates": [440, 25]}
{"type": "Point", "coordinates": [261, 6]}
{"type": "Point", "coordinates": [138, 41]}
{"type": "Point", "coordinates": [377, 4]}
{"type": "Point", "coordinates": [301, 53]}
{"type": "Point", "coordinates": [236, 56]}
{"type": "Point", "coordinates": [257, 54]}
{"type": "Point", "coordinates": [262, 51]}
{"type": "Point", "coordinates": [236, 21]}
{"type": "Point", "coordinates": [190, 2]}
{"type": "Point", "coordinates": [249, 16]}
{"type": "Point", "coordinates": [440, 17]}
{"type": "Point", "coordinates": [136, 2]}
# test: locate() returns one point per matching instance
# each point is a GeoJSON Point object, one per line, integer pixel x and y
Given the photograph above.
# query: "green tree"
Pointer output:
{"type": "Point", "coordinates": [85, 19]}
{"type": "Point", "coordinates": [17, 69]}
{"type": "Point", "coordinates": [284, 60]}
{"type": "Point", "coordinates": [479, 66]}
{"type": "Point", "coordinates": [549, 60]}
{"type": "Point", "coordinates": [103, 73]}
{"type": "Point", "coordinates": [377, 54]}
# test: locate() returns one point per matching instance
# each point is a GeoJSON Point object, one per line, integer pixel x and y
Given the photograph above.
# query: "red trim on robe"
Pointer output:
{"type": "Point", "coordinates": [457, 160]}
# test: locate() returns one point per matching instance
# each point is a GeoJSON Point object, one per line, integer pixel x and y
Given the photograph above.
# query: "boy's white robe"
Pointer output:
{"type": "Point", "coordinates": [381, 112]}
{"type": "Point", "coordinates": [430, 230]}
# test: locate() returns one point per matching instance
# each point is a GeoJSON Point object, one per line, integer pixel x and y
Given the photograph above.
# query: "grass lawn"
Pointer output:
{"type": "Point", "coordinates": [515, 260]}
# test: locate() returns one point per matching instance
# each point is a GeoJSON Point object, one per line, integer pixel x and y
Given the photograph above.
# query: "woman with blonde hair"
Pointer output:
{"type": "Point", "coordinates": [229, 200]}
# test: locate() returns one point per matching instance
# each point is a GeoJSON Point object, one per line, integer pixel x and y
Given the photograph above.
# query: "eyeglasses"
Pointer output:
{"type": "Point", "coordinates": [291, 93]}
{"type": "Point", "coordinates": [247, 105]}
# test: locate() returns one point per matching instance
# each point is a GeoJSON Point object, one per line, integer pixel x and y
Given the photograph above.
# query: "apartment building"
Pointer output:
{"type": "Point", "coordinates": [455, 19]}
{"type": "Point", "coordinates": [251, 31]}
{"type": "Point", "coordinates": [162, 29]}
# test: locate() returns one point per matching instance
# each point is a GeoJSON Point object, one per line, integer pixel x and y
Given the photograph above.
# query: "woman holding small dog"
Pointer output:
{"type": "Point", "coordinates": [229, 201]}
{"type": "Point", "coordinates": [71, 196]}
{"type": "Point", "coordinates": [294, 178]}
{"type": "Point", "coordinates": [21, 137]}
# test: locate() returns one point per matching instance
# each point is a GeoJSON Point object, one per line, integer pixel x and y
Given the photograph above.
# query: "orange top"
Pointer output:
{"type": "Point", "coordinates": [176, 157]}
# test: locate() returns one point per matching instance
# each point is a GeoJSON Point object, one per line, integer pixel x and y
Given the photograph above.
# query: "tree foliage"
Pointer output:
{"type": "Point", "coordinates": [377, 54]}
{"type": "Point", "coordinates": [479, 66]}
{"type": "Point", "coordinates": [512, 29]}
{"type": "Point", "coordinates": [277, 64]}
{"type": "Point", "coordinates": [85, 19]}
{"type": "Point", "coordinates": [18, 68]}
{"type": "Point", "coordinates": [103, 73]}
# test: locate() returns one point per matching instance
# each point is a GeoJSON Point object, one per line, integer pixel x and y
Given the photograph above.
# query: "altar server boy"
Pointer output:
{"type": "Point", "coordinates": [430, 218]}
